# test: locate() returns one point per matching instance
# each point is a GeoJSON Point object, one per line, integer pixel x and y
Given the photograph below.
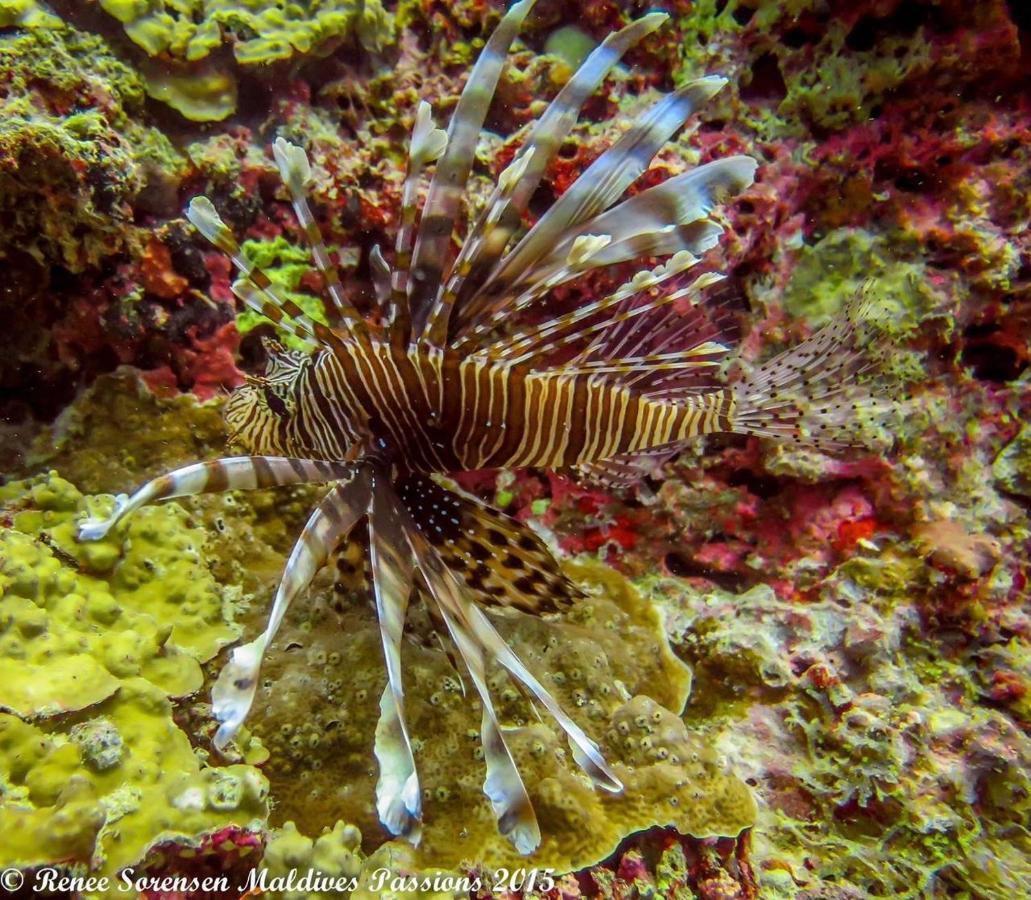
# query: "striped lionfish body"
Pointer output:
{"type": "Point", "coordinates": [461, 367]}
{"type": "Point", "coordinates": [451, 414]}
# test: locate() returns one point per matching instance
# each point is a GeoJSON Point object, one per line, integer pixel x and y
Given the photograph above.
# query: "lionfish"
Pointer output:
{"type": "Point", "coordinates": [461, 367]}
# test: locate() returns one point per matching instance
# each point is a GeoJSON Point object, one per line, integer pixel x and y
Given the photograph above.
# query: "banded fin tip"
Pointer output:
{"type": "Point", "coordinates": [294, 168]}
{"type": "Point", "coordinates": [234, 689]}
{"type": "Point", "coordinates": [204, 217]}
{"type": "Point", "coordinates": [95, 529]}
{"type": "Point", "coordinates": [428, 142]}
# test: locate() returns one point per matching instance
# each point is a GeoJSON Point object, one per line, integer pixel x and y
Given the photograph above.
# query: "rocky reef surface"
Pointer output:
{"type": "Point", "coordinates": [849, 634]}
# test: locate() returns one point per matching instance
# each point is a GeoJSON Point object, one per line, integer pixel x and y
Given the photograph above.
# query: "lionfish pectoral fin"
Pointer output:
{"type": "Point", "coordinates": [503, 784]}
{"type": "Point", "coordinates": [585, 751]}
{"type": "Point", "coordinates": [233, 692]}
{"type": "Point", "coordinates": [232, 695]}
{"type": "Point", "coordinates": [398, 797]}
{"type": "Point", "coordinates": [234, 473]}
{"type": "Point", "coordinates": [501, 560]}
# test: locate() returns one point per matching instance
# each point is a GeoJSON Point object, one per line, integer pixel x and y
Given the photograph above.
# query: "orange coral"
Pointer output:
{"type": "Point", "coordinates": [156, 272]}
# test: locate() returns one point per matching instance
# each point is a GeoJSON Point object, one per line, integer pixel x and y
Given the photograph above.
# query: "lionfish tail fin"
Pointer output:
{"type": "Point", "coordinates": [821, 393]}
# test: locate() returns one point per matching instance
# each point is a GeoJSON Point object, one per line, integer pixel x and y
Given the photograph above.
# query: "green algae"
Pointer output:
{"type": "Point", "coordinates": [201, 93]}
{"type": "Point", "coordinates": [287, 265]}
{"type": "Point", "coordinates": [260, 31]}
{"type": "Point", "coordinates": [26, 14]}
{"type": "Point", "coordinates": [75, 156]}
{"type": "Point", "coordinates": [839, 265]}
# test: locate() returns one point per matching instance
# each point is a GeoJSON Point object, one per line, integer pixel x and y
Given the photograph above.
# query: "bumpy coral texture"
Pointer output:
{"type": "Point", "coordinates": [857, 626]}
{"type": "Point", "coordinates": [260, 31]}
{"type": "Point", "coordinates": [606, 662]}
{"type": "Point", "coordinates": [94, 645]}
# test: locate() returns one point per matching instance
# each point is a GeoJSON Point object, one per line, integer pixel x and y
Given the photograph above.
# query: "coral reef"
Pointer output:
{"type": "Point", "coordinates": [857, 627]}
{"type": "Point", "coordinates": [94, 644]}
{"type": "Point", "coordinates": [76, 156]}
{"type": "Point", "coordinates": [607, 663]}
{"type": "Point", "coordinates": [259, 31]}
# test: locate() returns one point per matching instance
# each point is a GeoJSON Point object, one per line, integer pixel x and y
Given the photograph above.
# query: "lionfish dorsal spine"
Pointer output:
{"type": "Point", "coordinates": [427, 145]}
{"type": "Point", "coordinates": [489, 235]}
{"type": "Point", "coordinates": [295, 170]}
{"type": "Point", "coordinates": [447, 186]}
{"type": "Point", "coordinates": [596, 189]}
{"type": "Point", "coordinates": [254, 287]}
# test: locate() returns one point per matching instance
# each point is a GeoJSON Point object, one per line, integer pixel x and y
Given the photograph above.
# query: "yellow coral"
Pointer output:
{"type": "Point", "coordinates": [262, 30]}
{"type": "Point", "coordinates": [607, 662]}
{"type": "Point", "coordinates": [101, 793]}
{"type": "Point", "coordinates": [79, 618]}
{"type": "Point", "coordinates": [104, 634]}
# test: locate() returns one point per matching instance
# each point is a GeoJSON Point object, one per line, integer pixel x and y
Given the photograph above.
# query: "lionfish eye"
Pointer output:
{"type": "Point", "coordinates": [274, 402]}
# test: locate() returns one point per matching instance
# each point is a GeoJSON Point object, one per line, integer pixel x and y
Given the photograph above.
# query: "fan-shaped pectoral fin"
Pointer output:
{"type": "Point", "coordinates": [234, 473]}
{"type": "Point", "coordinates": [585, 751]}
{"type": "Point", "coordinates": [334, 517]}
{"type": "Point", "coordinates": [503, 784]}
{"type": "Point", "coordinates": [398, 797]}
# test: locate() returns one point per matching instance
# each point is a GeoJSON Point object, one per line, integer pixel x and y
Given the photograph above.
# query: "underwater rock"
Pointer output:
{"type": "Point", "coordinates": [1012, 467]}
{"type": "Point", "coordinates": [75, 153]}
{"type": "Point", "coordinates": [606, 662]}
{"type": "Point", "coordinates": [335, 855]}
{"type": "Point", "coordinates": [877, 696]}
{"type": "Point", "coordinates": [879, 770]}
